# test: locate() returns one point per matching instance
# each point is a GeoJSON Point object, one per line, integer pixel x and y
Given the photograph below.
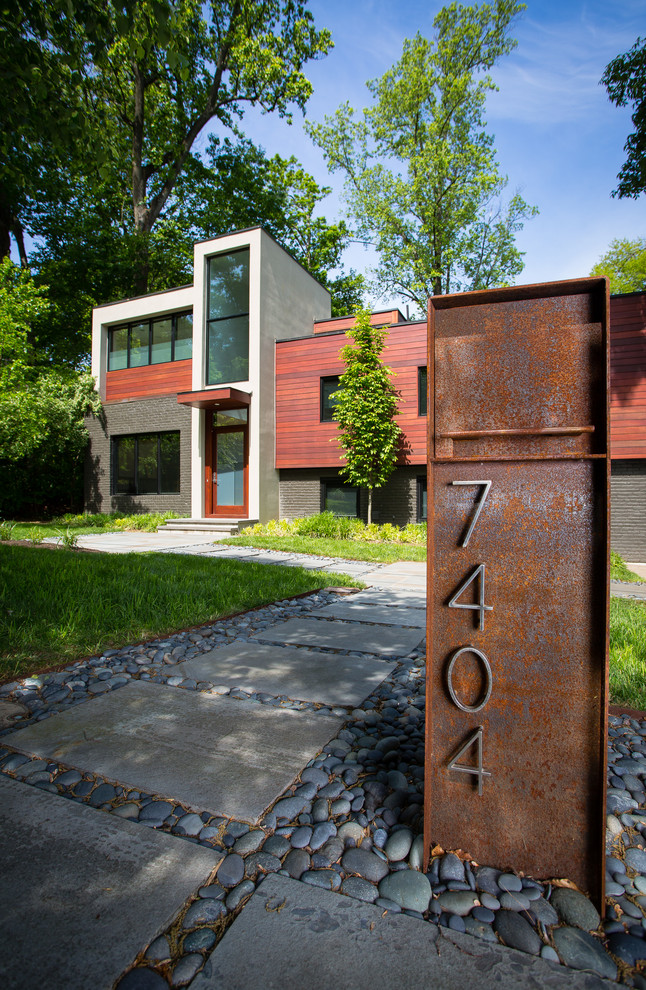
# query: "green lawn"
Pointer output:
{"type": "Point", "coordinates": [628, 653]}
{"type": "Point", "coordinates": [59, 605]}
{"type": "Point", "coordinates": [78, 525]}
{"type": "Point", "coordinates": [619, 571]}
{"type": "Point", "coordinates": [383, 553]}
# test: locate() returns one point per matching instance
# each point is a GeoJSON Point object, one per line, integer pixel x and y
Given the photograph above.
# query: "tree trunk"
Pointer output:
{"type": "Point", "coordinates": [369, 506]}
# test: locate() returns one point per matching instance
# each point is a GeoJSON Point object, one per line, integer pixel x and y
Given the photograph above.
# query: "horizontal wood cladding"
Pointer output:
{"type": "Point", "coordinates": [152, 379]}
{"type": "Point", "coordinates": [379, 319]}
{"type": "Point", "coordinates": [628, 376]}
{"type": "Point", "coordinates": [302, 441]}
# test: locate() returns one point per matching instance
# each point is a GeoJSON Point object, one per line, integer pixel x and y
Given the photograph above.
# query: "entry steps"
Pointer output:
{"type": "Point", "coordinates": [211, 527]}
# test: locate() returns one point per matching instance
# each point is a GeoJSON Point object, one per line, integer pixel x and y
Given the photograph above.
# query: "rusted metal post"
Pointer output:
{"type": "Point", "coordinates": [518, 578]}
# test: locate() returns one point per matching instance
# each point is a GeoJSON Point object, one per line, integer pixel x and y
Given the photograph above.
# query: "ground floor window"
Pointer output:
{"type": "Point", "coordinates": [145, 464]}
{"type": "Point", "coordinates": [421, 498]}
{"type": "Point", "coordinates": [339, 498]}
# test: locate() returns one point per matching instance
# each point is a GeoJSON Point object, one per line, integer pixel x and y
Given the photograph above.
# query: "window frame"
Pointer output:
{"type": "Point", "coordinates": [422, 393]}
{"type": "Point", "coordinates": [128, 327]}
{"type": "Point", "coordinates": [210, 321]}
{"type": "Point", "coordinates": [338, 483]}
{"type": "Point", "coordinates": [421, 488]}
{"type": "Point", "coordinates": [322, 380]}
{"type": "Point", "coordinates": [114, 462]}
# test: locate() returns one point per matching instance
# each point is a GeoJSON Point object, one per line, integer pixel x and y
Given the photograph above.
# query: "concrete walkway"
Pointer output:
{"type": "Point", "coordinates": [85, 894]}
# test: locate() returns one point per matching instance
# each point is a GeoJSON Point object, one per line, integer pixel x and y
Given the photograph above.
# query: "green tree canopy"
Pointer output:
{"type": "Point", "coordinates": [365, 408]}
{"type": "Point", "coordinates": [165, 70]}
{"type": "Point", "coordinates": [625, 80]}
{"type": "Point", "coordinates": [42, 433]}
{"type": "Point", "coordinates": [422, 181]}
{"type": "Point", "coordinates": [624, 264]}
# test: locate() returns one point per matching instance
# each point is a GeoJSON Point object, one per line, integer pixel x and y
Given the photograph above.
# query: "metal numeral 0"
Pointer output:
{"type": "Point", "coordinates": [479, 506]}
{"type": "Point", "coordinates": [449, 677]}
{"type": "Point", "coordinates": [479, 771]}
{"type": "Point", "coordinates": [481, 608]}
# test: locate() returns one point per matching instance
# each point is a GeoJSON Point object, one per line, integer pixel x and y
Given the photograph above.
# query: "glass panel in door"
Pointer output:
{"type": "Point", "coordinates": [229, 470]}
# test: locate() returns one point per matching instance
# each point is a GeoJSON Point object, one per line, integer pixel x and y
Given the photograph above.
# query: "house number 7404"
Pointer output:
{"type": "Point", "coordinates": [477, 575]}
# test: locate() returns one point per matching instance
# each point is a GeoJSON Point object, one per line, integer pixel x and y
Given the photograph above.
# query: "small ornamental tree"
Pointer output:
{"type": "Point", "coordinates": [365, 408]}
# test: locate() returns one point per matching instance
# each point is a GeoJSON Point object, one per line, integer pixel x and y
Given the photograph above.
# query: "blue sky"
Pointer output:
{"type": "Point", "coordinates": [559, 139]}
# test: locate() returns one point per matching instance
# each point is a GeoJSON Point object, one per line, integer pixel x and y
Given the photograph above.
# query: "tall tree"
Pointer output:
{"type": "Point", "coordinates": [625, 80]}
{"type": "Point", "coordinates": [162, 83]}
{"type": "Point", "coordinates": [624, 264]}
{"type": "Point", "coordinates": [365, 408]}
{"type": "Point", "coordinates": [435, 215]}
{"type": "Point", "coordinates": [165, 70]}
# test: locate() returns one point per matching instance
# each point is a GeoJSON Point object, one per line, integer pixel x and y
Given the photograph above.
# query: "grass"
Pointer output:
{"type": "Point", "coordinates": [628, 653]}
{"type": "Point", "coordinates": [619, 571]}
{"type": "Point", "coordinates": [83, 523]}
{"type": "Point", "coordinates": [58, 606]}
{"type": "Point", "coordinates": [327, 535]}
{"type": "Point", "coordinates": [384, 553]}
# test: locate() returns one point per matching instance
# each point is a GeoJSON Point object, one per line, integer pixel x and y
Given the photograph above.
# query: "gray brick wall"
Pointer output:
{"type": "Point", "coordinates": [396, 502]}
{"type": "Point", "coordinates": [628, 509]}
{"type": "Point", "coordinates": [136, 416]}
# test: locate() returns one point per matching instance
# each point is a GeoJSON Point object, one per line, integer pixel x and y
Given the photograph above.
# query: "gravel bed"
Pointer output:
{"type": "Point", "coordinates": [353, 822]}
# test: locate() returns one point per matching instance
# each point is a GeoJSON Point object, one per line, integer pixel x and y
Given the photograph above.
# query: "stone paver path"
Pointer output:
{"type": "Point", "coordinates": [307, 675]}
{"type": "Point", "coordinates": [81, 892]}
{"type": "Point", "coordinates": [292, 935]}
{"type": "Point", "coordinates": [230, 756]}
{"type": "Point", "coordinates": [385, 641]}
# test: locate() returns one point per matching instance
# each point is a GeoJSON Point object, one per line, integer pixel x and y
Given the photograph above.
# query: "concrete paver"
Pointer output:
{"type": "Point", "coordinates": [391, 596]}
{"type": "Point", "coordinates": [303, 675]}
{"type": "Point", "coordinates": [291, 935]}
{"type": "Point", "coordinates": [384, 641]}
{"type": "Point", "coordinates": [368, 612]}
{"type": "Point", "coordinates": [223, 755]}
{"type": "Point", "coordinates": [408, 575]}
{"type": "Point", "coordinates": [136, 542]}
{"type": "Point", "coordinates": [81, 892]}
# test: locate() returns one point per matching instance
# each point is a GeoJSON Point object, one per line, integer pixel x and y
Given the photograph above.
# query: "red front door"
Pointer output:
{"type": "Point", "coordinates": [227, 466]}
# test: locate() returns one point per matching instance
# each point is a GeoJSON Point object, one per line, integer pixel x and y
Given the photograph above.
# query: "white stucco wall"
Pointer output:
{"type": "Point", "coordinates": [284, 301]}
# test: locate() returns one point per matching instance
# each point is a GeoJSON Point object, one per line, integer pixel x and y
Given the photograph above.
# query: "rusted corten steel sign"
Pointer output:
{"type": "Point", "coordinates": [518, 578]}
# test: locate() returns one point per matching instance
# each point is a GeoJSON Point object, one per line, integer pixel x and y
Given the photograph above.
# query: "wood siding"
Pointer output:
{"type": "Point", "coordinates": [149, 381]}
{"type": "Point", "coordinates": [302, 441]}
{"type": "Point", "coordinates": [628, 376]}
{"type": "Point", "coordinates": [379, 319]}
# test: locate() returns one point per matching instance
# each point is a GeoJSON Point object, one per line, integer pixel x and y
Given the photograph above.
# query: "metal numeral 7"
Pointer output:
{"type": "Point", "coordinates": [479, 506]}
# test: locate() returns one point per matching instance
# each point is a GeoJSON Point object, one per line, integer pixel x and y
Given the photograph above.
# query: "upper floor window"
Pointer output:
{"type": "Point", "coordinates": [422, 389]}
{"type": "Point", "coordinates": [227, 318]}
{"type": "Point", "coordinates": [165, 338]}
{"type": "Point", "coordinates": [329, 386]}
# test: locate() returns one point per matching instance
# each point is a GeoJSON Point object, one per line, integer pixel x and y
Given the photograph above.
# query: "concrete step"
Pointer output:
{"type": "Point", "coordinates": [219, 527]}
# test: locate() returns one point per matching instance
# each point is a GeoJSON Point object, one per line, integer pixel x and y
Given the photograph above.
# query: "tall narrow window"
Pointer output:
{"type": "Point", "coordinates": [422, 387]}
{"type": "Point", "coordinates": [228, 318]}
{"type": "Point", "coordinates": [329, 386]}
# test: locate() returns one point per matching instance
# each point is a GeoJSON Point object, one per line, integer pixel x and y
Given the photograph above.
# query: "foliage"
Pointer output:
{"type": "Point", "coordinates": [68, 540]}
{"type": "Point", "coordinates": [366, 405]}
{"type": "Point", "coordinates": [620, 572]}
{"type": "Point", "coordinates": [422, 181]}
{"type": "Point", "coordinates": [42, 434]}
{"type": "Point", "coordinates": [624, 264]}
{"type": "Point", "coordinates": [628, 653]}
{"type": "Point", "coordinates": [625, 80]}
{"type": "Point", "coordinates": [326, 525]}
{"type": "Point", "coordinates": [56, 607]}
{"type": "Point", "coordinates": [164, 70]}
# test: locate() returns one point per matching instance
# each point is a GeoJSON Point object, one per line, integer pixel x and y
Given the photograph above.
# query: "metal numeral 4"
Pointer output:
{"type": "Point", "coordinates": [480, 607]}
{"type": "Point", "coordinates": [477, 771]}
